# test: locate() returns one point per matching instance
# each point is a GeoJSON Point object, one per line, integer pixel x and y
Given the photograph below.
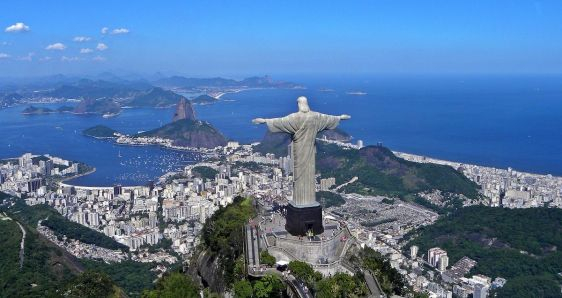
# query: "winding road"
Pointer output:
{"type": "Point", "coordinates": [22, 244]}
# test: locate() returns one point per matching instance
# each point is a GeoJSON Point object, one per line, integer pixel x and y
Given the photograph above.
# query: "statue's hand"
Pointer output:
{"type": "Point", "coordinates": [258, 121]}
{"type": "Point", "coordinates": [345, 117]}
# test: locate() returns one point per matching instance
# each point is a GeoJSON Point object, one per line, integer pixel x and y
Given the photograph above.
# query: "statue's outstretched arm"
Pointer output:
{"type": "Point", "coordinates": [344, 117]}
{"type": "Point", "coordinates": [259, 121]}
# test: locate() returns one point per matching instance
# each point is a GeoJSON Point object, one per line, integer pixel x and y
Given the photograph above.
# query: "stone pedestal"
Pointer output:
{"type": "Point", "coordinates": [300, 220]}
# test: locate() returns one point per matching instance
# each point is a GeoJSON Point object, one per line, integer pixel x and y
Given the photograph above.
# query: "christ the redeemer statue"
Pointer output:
{"type": "Point", "coordinates": [303, 126]}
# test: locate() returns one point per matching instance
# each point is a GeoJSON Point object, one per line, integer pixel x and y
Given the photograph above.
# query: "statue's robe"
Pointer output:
{"type": "Point", "coordinates": [303, 128]}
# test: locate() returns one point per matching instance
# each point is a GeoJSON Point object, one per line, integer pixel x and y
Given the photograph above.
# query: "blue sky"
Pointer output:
{"type": "Point", "coordinates": [202, 38]}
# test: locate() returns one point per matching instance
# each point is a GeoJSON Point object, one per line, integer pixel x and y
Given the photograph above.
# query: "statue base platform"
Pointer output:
{"type": "Point", "coordinates": [301, 220]}
{"type": "Point", "coordinates": [324, 252]}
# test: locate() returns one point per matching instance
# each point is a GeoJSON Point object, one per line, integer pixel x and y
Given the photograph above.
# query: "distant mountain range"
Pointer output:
{"type": "Point", "coordinates": [252, 82]}
{"type": "Point", "coordinates": [90, 89]}
{"type": "Point", "coordinates": [133, 91]}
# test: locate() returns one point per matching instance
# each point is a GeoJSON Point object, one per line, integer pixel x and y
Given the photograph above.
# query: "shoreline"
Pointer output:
{"type": "Point", "coordinates": [77, 176]}
{"type": "Point", "coordinates": [428, 159]}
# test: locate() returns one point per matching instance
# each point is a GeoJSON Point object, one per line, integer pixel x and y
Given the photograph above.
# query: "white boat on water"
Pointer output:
{"type": "Point", "coordinates": [109, 115]}
{"type": "Point", "coordinates": [357, 93]}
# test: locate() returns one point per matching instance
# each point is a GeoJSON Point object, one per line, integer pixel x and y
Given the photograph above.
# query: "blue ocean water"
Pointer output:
{"type": "Point", "coordinates": [501, 121]}
{"type": "Point", "coordinates": [60, 135]}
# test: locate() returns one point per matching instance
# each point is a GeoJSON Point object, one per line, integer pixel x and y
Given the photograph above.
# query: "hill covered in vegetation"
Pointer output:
{"type": "Point", "coordinates": [45, 266]}
{"type": "Point", "coordinates": [191, 133]}
{"type": "Point", "coordinates": [380, 172]}
{"type": "Point", "coordinates": [204, 99]}
{"type": "Point", "coordinates": [97, 106]}
{"type": "Point", "coordinates": [521, 245]}
{"type": "Point", "coordinates": [223, 236]}
{"type": "Point", "coordinates": [155, 97]}
{"type": "Point", "coordinates": [251, 82]}
{"type": "Point", "coordinates": [100, 131]}
{"type": "Point", "coordinates": [33, 110]}
{"type": "Point", "coordinates": [94, 89]}
{"type": "Point", "coordinates": [60, 225]}
{"type": "Point", "coordinates": [48, 269]}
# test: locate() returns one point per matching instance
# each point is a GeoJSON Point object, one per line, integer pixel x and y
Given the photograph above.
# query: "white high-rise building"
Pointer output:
{"type": "Point", "coordinates": [480, 291]}
{"type": "Point", "coordinates": [93, 219]}
{"type": "Point", "coordinates": [414, 251]}
{"type": "Point", "coordinates": [434, 254]}
{"type": "Point", "coordinates": [443, 262]}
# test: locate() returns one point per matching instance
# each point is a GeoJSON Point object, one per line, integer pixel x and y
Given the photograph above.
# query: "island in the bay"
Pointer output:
{"type": "Point", "coordinates": [185, 131]}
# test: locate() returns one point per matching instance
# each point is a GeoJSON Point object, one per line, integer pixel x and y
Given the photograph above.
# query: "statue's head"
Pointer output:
{"type": "Point", "coordinates": [303, 104]}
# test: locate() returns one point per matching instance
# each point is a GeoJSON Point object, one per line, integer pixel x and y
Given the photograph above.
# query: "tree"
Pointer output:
{"type": "Point", "coordinates": [304, 272]}
{"type": "Point", "coordinates": [421, 295]}
{"type": "Point", "coordinates": [267, 259]}
{"type": "Point", "coordinates": [173, 285]}
{"type": "Point", "coordinates": [261, 290]}
{"type": "Point", "coordinates": [91, 284]}
{"type": "Point", "coordinates": [390, 279]}
{"type": "Point", "coordinates": [531, 287]}
{"type": "Point", "coordinates": [340, 285]}
{"type": "Point", "coordinates": [243, 289]}
{"type": "Point", "coordinates": [301, 270]}
{"type": "Point", "coordinates": [239, 271]}
{"type": "Point", "coordinates": [273, 283]}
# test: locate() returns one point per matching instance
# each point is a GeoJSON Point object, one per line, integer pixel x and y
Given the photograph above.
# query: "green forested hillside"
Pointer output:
{"type": "Point", "coordinates": [329, 199]}
{"type": "Point", "coordinates": [204, 172]}
{"type": "Point", "coordinates": [223, 234]}
{"type": "Point", "coordinates": [60, 225]}
{"type": "Point", "coordinates": [522, 245]}
{"type": "Point", "coordinates": [187, 132]}
{"type": "Point", "coordinates": [380, 172]}
{"type": "Point", "coordinates": [45, 268]}
{"type": "Point", "coordinates": [156, 97]}
{"type": "Point", "coordinates": [99, 131]}
{"type": "Point", "coordinates": [48, 268]}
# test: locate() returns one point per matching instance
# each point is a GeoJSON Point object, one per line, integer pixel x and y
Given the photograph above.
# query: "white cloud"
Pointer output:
{"type": "Point", "coordinates": [17, 27]}
{"type": "Point", "coordinates": [81, 38]}
{"type": "Point", "coordinates": [120, 31]}
{"type": "Point", "coordinates": [86, 51]}
{"type": "Point", "coordinates": [28, 57]}
{"type": "Point", "coordinates": [99, 58]}
{"type": "Point", "coordinates": [4, 56]}
{"type": "Point", "coordinates": [56, 46]}
{"type": "Point", "coordinates": [101, 46]}
{"type": "Point", "coordinates": [5, 43]}
{"type": "Point", "coordinates": [69, 59]}
{"type": "Point", "coordinates": [46, 58]}
{"type": "Point", "coordinates": [104, 30]}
